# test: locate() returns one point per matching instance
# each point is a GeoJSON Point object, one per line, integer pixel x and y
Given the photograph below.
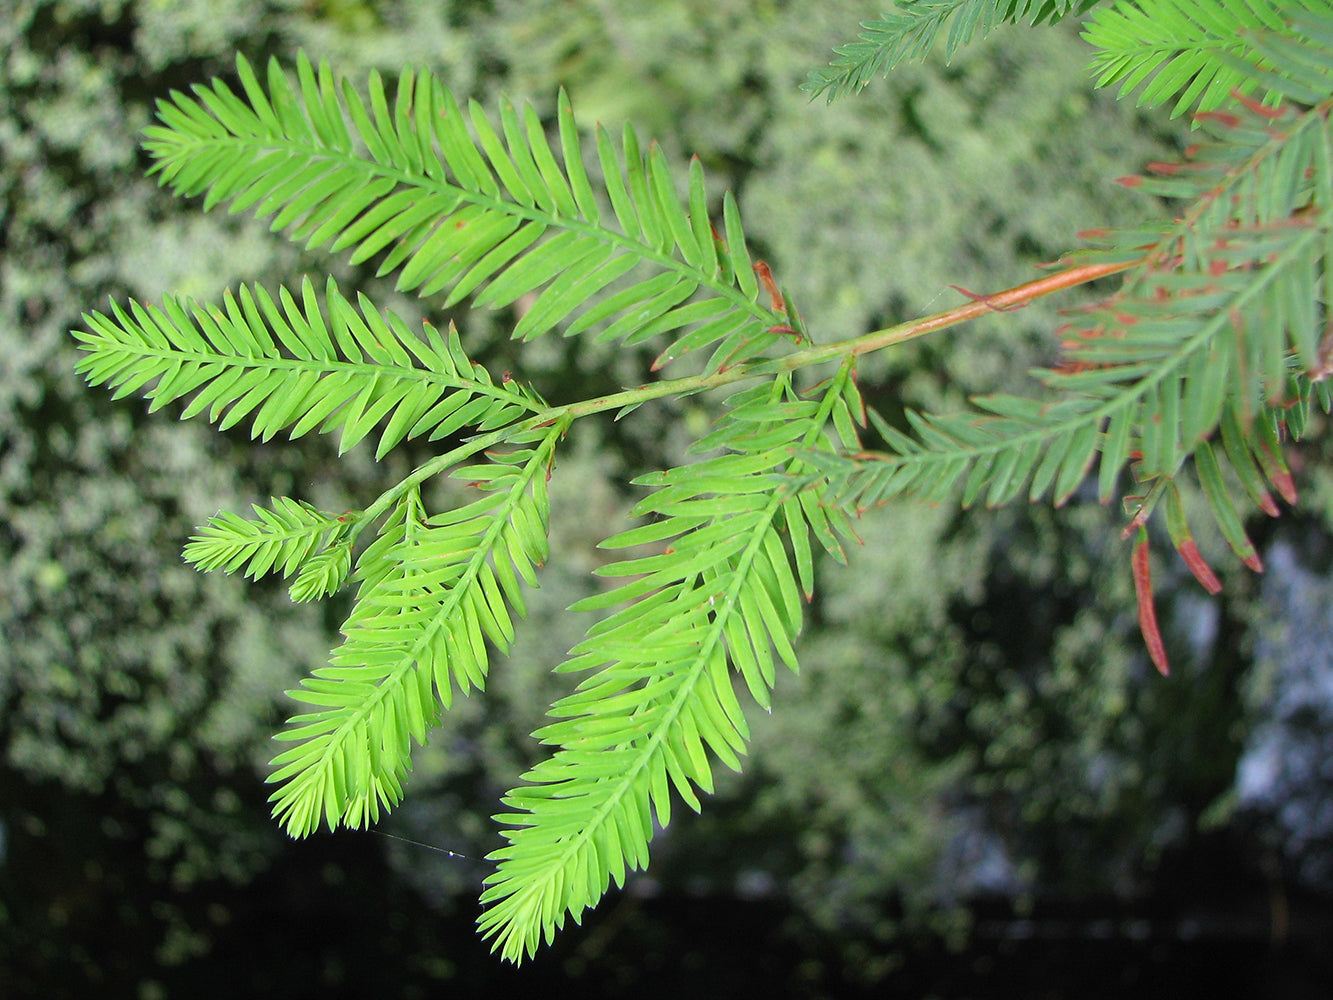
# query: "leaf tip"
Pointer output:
{"type": "Point", "coordinates": [1152, 635]}
{"type": "Point", "coordinates": [1199, 567]}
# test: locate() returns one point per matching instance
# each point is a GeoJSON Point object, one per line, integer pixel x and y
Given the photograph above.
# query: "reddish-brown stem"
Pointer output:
{"type": "Point", "coordinates": [1005, 301]}
{"type": "Point", "coordinates": [1017, 297]}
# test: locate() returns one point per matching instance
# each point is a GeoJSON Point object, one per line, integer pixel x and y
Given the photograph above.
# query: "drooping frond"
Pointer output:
{"type": "Point", "coordinates": [658, 704]}
{"type": "Point", "coordinates": [1195, 53]}
{"type": "Point", "coordinates": [910, 29]}
{"type": "Point", "coordinates": [283, 366]}
{"type": "Point", "coordinates": [460, 204]}
{"type": "Point", "coordinates": [1218, 328]}
{"type": "Point", "coordinates": [434, 590]}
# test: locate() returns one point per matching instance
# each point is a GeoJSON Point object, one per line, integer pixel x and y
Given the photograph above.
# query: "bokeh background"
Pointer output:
{"type": "Point", "coordinates": [976, 785]}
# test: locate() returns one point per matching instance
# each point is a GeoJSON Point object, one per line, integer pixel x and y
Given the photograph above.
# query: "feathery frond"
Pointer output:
{"type": "Point", "coordinates": [434, 590]}
{"type": "Point", "coordinates": [658, 702]}
{"type": "Point", "coordinates": [1196, 53]}
{"type": "Point", "coordinates": [909, 32]}
{"type": "Point", "coordinates": [288, 369]}
{"type": "Point", "coordinates": [1215, 326]}
{"type": "Point", "coordinates": [453, 202]}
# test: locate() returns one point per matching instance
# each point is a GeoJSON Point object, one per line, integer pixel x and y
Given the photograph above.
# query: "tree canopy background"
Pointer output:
{"type": "Point", "coordinates": [975, 717]}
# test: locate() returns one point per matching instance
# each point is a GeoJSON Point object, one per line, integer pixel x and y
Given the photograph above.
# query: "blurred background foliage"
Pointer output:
{"type": "Point", "coordinates": [974, 720]}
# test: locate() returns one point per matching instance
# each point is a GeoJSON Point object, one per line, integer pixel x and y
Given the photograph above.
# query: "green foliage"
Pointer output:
{"type": "Point", "coordinates": [349, 375]}
{"type": "Point", "coordinates": [910, 31]}
{"type": "Point", "coordinates": [433, 592]}
{"type": "Point", "coordinates": [1214, 337]}
{"type": "Point", "coordinates": [471, 216]}
{"type": "Point", "coordinates": [283, 538]}
{"type": "Point", "coordinates": [1199, 53]}
{"type": "Point", "coordinates": [659, 700]}
{"type": "Point", "coordinates": [1217, 325]}
{"type": "Point", "coordinates": [1157, 367]}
